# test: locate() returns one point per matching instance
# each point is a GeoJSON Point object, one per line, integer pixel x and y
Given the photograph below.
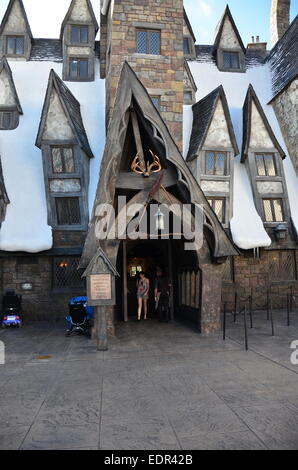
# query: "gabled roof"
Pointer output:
{"type": "Point", "coordinates": [252, 97]}
{"type": "Point", "coordinates": [189, 25]}
{"type": "Point", "coordinates": [227, 14]}
{"type": "Point", "coordinates": [283, 59]}
{"type": "Point", "coordinates": [4, 199]}
{"type": "Point", "coordinates": [190, 76]}
{"type": "Point", "coordinates": [130, 88]}
{"type": "Point", "coordinates": [72, 109]}
{"type": "Point", "coordinates": [203, 113]}
{"type": "Point", "coordinates": [4, 65]}
{"type": "Point", "coordinates": [68, 14]}
{"type": "Point", "coordinates": [7, 14]}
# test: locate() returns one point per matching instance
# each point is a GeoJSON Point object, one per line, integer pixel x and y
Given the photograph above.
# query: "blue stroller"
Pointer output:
{"type": "Point", "coordinates": [80, 318]}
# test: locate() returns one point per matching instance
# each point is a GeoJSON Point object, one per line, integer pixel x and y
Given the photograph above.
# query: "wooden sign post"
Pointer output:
{"type": "Point", "coordinates": [101, 292]}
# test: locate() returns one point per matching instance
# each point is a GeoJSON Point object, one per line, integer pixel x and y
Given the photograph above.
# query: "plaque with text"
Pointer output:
{"type": "Point", "coordinates": [101, 287]}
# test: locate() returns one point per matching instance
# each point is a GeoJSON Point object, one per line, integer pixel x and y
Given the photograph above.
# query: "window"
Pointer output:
{"type": "Point", "coordinates": [282, 265]}
{"type": "Point", "coordinates": [188, 99]}
{"type": "Point", "coordinates": [218, 205]}
{"type": "Point", "coordinates": [79, 35]}
{"type": "Point", "coordinates": [15, 45]}
{"type": "Point", "coordinates": [216, 163]}
{"type": "Point", "coordinates": [231, 60]}
{"type": "Point", "coordinates": [266, 165]}
{"type": "Point", "coordinates": [228, 270]}
{"type": "Point", "coordinates": [68, 210]}
{"type": "Point", "coordinates": [148, 42]}
{"type": "Point", "coordinates": [62, 160]}
{"type": "Point", "coordinates": [134, 270]}
{"type": "Point", "coordinates": [7, 120]}
{"type": "Point", "coordinates": [156, 101]}
{"type": "Point", "coordinates": [66, 274]}
{"type": "Point", "coordinates": [273, 210]}
{"type": "Point", "coordinates": [78, 68]}
{"type": "Point", "coordinates": [186, 46]}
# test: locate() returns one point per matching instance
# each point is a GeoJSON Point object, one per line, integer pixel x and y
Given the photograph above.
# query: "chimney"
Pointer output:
{"type": "Point", "coordinates": [257, 45]}
{"type": "Point", "coordinates": [280, 19]}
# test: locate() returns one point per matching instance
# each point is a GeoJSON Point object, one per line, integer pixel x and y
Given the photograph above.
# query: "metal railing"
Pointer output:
{"type": "Point", "coordinates": [246, 309]}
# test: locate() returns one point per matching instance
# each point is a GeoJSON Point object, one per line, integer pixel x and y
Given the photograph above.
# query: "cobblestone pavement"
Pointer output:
{"type": "Point", "coordinates": [158, 387]}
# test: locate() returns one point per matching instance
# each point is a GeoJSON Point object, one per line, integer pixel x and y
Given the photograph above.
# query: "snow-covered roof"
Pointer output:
{"type": "Point", "coordinates": [246, 225]}
{"type": "Point", "coordinates": [25, 227]}
{"type": "Point", "coordinates": [283, 59]}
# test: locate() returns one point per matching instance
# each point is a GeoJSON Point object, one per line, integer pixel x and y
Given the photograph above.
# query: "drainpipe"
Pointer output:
{"type": "Point", "coordinates": [105, 7]}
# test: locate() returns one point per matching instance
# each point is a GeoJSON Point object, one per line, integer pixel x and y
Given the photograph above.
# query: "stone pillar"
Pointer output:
{"type": "Point", "coordinates": [211, 298]}
{"type": "Point", "coordinates": [280, 19]}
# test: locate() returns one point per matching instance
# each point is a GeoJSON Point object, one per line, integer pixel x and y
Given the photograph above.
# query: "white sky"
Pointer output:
{"type": "Point", "coordinates": [46, 16]}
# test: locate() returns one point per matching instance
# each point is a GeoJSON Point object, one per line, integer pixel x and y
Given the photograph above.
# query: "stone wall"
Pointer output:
{"type": "Point", "coordinates": [252, 277]}
{"type": "Point", "coordinates": [285, 107]}
{"type": "Point", "coordinates": [163, 74]}
{"type": "Point", "coordinates": [43, 302]}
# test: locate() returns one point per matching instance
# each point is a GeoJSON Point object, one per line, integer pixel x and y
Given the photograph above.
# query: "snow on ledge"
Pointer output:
{"type": "Point", "coordinates": [247, 228]}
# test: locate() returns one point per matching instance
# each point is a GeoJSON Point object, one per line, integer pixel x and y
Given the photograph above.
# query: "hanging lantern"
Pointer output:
{"type": "Point", "coordinates": [160, 220]}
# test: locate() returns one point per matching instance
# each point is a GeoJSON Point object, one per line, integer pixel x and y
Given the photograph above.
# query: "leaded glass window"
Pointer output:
{"type": "Point", "coordinates": [79, 35]}
{"type": "Point", "coordinates": [266, 165]}
{"type": "Point", "coordinates": [282, 265]}
{"type": "Point", "coordinates": [15, 45]}
{"type": "Point", "coordinates": [62, 160]}
{"type": "Point", "coordinates": [216, 163]}
{"type": "Point", "coordinates": [186, 46]}
{"type": "Point", "coordinates": [68, 210]}
{"type": "Point", "coordinates": [66, 273]}
{"type": "Point", "coordinates": [218, 205]}
{"type": "Point", "coordinates": [231, 60]}
{"type": "Point", "coordinates": [273, 210]}
{"type": "Point", "coordinates": [148, 42]}
{"type": "Point", "coordinates": [78, 68]}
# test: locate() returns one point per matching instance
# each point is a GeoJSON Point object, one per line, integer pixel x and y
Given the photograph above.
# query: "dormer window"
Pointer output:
{"type": "Point", "coordinates": [15, 45]}
{"type": "Point", "coordinates": [266, 165]}
{"type": "Point", "coordinates": [78, 69]}
{"type": "Point", "coordinates": [216, 163]}
{"type": "Point", "coordinates": [79, 35]}
{"type": "Point", "coordinates": [231, 60]}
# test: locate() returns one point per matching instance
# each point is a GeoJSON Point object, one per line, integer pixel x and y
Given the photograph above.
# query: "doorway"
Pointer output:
{"type": "Point", "coordinates": [180, 266]}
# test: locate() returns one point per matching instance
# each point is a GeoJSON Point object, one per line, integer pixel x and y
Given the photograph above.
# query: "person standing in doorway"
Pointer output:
{"type": "Point", "coordinates": [162, 295]}
{"type": "Point", "coordinates": [143, 286]}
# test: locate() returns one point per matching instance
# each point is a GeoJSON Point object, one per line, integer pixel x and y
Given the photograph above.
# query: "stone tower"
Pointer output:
{"type": "Point", "coordinates": [148, 34]}
{"type": "Point", "coordinates": [280, 19]}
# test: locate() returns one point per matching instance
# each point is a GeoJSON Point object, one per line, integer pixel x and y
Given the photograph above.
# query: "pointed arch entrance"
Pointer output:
{"type": "Point", "coordinates": [142, 165]}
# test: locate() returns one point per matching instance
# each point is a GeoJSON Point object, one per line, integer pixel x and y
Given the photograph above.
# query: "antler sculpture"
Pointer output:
{"type": "Point", "coordinates": [139, 166]}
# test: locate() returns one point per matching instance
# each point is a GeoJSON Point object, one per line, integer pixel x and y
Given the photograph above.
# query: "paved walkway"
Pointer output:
{"type": "Point", "coordinates": [158, 387]}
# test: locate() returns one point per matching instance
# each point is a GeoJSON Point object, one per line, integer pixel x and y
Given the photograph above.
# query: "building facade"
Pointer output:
{"type": "Point", "coordinates": [221, 120]}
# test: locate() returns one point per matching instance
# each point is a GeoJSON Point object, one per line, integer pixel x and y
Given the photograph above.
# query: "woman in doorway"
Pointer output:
{"type": "Point", "coordinates": [143, 286]}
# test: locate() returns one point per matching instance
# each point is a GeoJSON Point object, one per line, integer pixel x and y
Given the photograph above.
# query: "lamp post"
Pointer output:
{"type": "Point", "coordinates": [101, 292]}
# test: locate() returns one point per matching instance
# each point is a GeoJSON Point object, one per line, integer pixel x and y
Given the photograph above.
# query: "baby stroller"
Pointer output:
{"type": "Point", "coordinates": [80, 318]}
{"type": "Point", "coordinates": [12, 307]}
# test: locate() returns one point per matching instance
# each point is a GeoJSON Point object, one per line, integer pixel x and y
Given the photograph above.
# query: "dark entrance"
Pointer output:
{"type": "Point", "coordinates": [179, 265]}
